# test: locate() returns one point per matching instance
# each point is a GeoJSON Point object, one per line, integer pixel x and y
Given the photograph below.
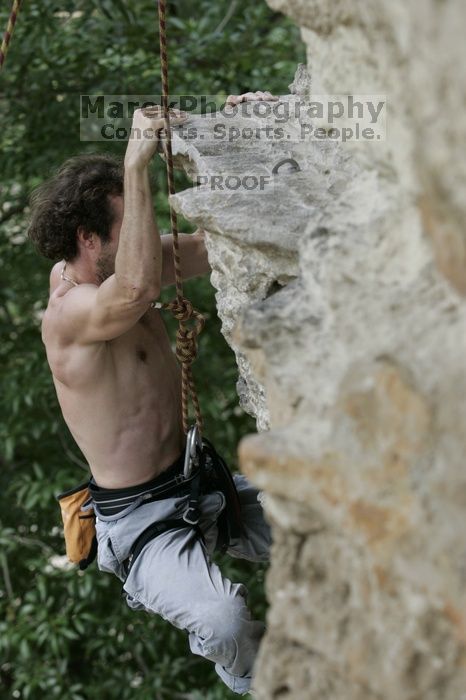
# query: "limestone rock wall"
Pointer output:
{"type": "Point", "coordinates": [342, 293]}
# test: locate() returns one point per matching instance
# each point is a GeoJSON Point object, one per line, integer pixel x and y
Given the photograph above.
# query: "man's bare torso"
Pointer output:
{"type": "Point", "coordinates": [121, 398]}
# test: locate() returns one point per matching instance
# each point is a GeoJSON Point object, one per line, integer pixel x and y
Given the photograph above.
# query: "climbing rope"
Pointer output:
{"type": "Point", "coordinates": [191, 322]}
{"type": "Point", "coordinates": [9, 31]}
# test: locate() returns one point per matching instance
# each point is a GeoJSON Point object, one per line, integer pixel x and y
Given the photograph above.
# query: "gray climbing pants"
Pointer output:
{"type": "Point", "coordinates": [175, 578]}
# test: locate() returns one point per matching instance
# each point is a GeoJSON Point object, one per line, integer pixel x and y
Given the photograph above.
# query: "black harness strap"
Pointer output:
{"type": "Point", "coordinates": [193, 513]}
{"type": "Point", "coordinates": [152, 531]}
{"type": "Point", "coordinates": [225, 483]}
{"type": "Point", "coordinates": [223, 532]}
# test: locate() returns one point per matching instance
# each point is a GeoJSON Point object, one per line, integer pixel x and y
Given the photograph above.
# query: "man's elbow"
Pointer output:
{"type": "Point", "coordinates": [140, 291]}
{"type": "Point", "coordinates": [148, 297]}
{"type": "Point", "coordinates": [148, 293]}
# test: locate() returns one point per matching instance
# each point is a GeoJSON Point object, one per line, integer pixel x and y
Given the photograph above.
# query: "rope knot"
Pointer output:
{"type": "Point", "coordinates": [182, 309]}
{"type": "Point", "coordinates": [186, 336]}
{"type": "Point", "coordinates": [186, 345]}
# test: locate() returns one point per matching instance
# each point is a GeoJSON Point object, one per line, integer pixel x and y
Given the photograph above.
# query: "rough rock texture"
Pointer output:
{"type": "Point", "coordinates": [342, 292]}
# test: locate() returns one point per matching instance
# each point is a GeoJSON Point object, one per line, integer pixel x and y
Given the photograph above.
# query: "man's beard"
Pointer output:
{"type": "Point", "coordinates": [105, 266]}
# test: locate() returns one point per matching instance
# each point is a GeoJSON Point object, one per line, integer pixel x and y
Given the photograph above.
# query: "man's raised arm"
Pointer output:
{"type": "Point", "coordinates": [138, 262]}
{"type": "Point", "coordinates": [193, 255]}
{"type": "Point", "coordinates": [88, 313]}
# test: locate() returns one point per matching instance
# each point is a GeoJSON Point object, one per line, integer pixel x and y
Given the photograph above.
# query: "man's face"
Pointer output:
{"type": "Point", "coordinates": [105, 263]}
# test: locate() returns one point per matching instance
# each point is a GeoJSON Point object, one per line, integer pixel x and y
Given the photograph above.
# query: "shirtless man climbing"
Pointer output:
{"type": "Point", "coordinates": [118, 385]}
{"type": "Point", "coordinates": [116, 377]}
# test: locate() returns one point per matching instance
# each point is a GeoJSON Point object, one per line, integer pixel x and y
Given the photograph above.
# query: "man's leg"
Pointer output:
{"type": "Point", "coordinates": [175, 578]}
{"type": "Point", "coordinates": [256, 542]}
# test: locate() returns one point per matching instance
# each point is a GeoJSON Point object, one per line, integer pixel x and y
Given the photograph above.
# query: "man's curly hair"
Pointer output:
{"type": "Point", "coordinates": [77, 195]}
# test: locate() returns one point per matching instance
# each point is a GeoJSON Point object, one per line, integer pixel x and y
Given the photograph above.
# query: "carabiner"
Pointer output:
{"type": "Point", "coordinates": [193, 449]}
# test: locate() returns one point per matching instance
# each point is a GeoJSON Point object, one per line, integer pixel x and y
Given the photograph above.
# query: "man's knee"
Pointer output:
{"type": "Point", "coordinates": [230, 631]}
{"type": "Point", "coordinates": [227, 618]}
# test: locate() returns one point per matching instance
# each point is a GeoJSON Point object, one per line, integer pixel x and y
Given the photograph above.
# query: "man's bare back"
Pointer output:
{"type": "Point", "coordinates": [121, 398]}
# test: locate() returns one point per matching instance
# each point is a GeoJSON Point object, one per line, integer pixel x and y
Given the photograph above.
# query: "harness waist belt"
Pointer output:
{"type": "Point", "coordinates": [170, 483]}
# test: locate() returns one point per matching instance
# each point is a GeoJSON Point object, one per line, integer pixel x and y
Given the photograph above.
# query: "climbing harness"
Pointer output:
{"type": "Point", "coordinates": [208, 472]}
{"type": "Point", "coordinates": [211, 474]}
{"type": "Point", "coordinates": [9, 31]}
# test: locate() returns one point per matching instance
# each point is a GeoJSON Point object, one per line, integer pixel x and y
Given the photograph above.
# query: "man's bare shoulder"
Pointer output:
{"type": "Point", "coordinates": [62, 296]}
{"type": "Point", "coordinates": [72, 363]}
{"type": "Point", "coordinates": [88, 313]}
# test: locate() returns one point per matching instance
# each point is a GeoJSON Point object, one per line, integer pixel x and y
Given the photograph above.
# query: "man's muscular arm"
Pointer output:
{"type": "Point", "coordinates": [138, 261]}
{"type": "Point", "coordinates": [193, 256]}
{"type": "Point", "coordinates": [90, 313]}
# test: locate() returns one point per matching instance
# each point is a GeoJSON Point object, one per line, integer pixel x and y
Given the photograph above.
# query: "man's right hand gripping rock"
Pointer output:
{"type": "Point", "coordinates": [145, 134]}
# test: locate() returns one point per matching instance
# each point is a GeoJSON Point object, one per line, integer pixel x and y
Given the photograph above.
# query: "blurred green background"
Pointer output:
{"type": "Point", "coordinates": [65, 633]}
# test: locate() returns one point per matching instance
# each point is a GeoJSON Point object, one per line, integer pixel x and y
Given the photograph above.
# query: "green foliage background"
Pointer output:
{"type": "Point", "coordinates": [65, 633]}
